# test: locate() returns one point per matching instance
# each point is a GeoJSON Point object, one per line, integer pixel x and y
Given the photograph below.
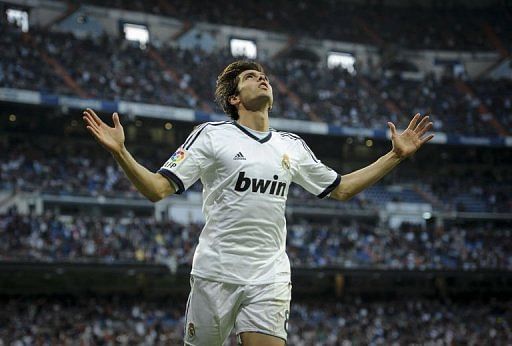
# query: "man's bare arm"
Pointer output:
{"type": "Point", "coordinates": [153, 186]}
{"type": "Point", "coordinates": [404, 145]}
{"type": "Point", "coordinates": [353, 183]}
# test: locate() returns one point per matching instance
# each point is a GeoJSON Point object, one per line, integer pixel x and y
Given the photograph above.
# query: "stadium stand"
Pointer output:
{"type": "Point", "coordinates": [115, 69]}
{"type": "Point", "coordinates": [38, 162]}
{"type": "Point", "coordinates": [314, 245]}
{"type": "Point", "coordinates": [361, 24]}
{"type": "Point", "coordinates": [67, 320]}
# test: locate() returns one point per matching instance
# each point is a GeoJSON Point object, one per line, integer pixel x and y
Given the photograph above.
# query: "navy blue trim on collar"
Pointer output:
{"type": "Point", "coordinates": [195, 134]}
{"type": "Point", "coordinates": [263, 140]}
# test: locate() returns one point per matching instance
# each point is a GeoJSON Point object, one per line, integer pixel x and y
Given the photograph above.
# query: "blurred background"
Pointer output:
{"type": "Point", "coordinates": [423, 257]}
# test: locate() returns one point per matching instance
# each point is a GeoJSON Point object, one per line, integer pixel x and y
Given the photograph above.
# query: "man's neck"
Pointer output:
{"type": "Point", "coordinates": [256, 120]}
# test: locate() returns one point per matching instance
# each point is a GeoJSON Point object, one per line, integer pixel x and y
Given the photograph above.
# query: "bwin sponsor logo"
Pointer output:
{"type": "Point", "coordinates": [274, 187]}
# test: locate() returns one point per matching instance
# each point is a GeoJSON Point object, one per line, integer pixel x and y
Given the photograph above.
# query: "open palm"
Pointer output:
{"type": "Point", "coordinates": [112, 138]}
{"type": "Point", "coordinates": [410, 140]}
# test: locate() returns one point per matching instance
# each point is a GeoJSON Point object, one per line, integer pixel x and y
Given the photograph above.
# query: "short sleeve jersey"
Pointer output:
{"type": "Point", "coordinates": [245, 186]}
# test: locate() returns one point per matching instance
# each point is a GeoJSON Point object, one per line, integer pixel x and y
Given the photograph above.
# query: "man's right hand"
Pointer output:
{"type": "Point", "coordinates": [112, 138]}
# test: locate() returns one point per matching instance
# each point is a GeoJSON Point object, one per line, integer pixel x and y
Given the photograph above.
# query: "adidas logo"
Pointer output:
{"type": "Point", "coordinates": [239, 156]}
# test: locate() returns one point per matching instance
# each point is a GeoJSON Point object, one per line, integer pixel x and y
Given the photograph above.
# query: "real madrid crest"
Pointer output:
{"type": "Point", "coordinates": [191, 330]}
{"type": "Point", "coordinates": [285, 162]}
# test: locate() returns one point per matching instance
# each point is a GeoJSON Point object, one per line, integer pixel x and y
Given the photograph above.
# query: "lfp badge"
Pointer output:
{"type": "Point", "coordinates": [176, 158]}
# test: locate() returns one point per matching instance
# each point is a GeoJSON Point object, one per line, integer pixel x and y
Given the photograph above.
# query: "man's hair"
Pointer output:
{"type": "Point", "coordinates": [227, 84]}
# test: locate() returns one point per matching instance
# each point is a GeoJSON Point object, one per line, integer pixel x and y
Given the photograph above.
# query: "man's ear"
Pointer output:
{"type": "Point", "coordinates": [234, 100]}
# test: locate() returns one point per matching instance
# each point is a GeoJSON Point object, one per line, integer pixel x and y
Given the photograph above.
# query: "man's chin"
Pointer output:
{"type": "Point", "coordinates": [262, 101]}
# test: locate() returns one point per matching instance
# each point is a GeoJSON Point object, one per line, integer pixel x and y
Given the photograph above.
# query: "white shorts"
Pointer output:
{"type": "Point", "coordinates": [214, 308]}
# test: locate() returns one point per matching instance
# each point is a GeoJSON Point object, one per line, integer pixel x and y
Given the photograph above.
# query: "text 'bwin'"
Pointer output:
{"type": "Point", "coordinates": [275, 187]}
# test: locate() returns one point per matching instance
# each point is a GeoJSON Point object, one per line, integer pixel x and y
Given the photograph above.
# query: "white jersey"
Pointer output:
{"type": "Point", "coordinates": [245, 186]}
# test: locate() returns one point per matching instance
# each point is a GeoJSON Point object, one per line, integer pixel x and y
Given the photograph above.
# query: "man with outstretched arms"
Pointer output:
{"type": "Point", "coordinates": [240, 273]}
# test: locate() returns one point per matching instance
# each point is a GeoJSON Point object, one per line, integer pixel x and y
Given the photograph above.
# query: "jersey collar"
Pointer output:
{"type": "Point", "coordinates": [263, 140]}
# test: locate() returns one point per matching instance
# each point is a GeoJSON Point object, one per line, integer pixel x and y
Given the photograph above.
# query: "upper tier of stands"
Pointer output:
{"type": "Point", "coordinates": [438, 27]}
{"type": "Point", "coordinates": [114, 69]}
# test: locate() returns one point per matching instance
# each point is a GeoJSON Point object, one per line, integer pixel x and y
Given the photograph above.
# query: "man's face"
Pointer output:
{"type": "Point", "coordinates": [254, 90]}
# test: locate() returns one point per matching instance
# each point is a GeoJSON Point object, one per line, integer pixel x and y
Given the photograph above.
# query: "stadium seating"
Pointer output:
{"type": "Point", "coordinates": [310, 244]}
{"type": "Point", "coordinates": [448, 27]}
{"type": "Point", "coordinates": [118, 320]}
{"type": "Point", "coordinates": [115, 69]}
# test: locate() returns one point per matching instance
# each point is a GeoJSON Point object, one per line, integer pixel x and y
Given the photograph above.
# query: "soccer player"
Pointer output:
{"type": "Point", "coordinates": [240, 273]}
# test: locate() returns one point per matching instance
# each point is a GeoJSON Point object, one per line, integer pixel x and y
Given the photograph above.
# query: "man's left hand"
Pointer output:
{"type": "Point", "coordinates": [406, 143]}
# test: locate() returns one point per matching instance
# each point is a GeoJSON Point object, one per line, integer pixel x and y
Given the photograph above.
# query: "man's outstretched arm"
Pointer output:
{"type": "Point", "coordinates": [404, 145]}
{"type": "Point", "coordinates": [152, 185]}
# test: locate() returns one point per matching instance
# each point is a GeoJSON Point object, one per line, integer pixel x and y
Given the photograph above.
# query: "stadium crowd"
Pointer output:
{"type": "Point", "coordinates": [115, 69]}
{"type": "Point", "coordinates": [403, 322]}
{"type": "Point", "coordinates": [22, 66]}
{"type": "Point", "coordinates": [450, 105]}
{"type": "Point", "coordinates": [497, 97]}
{"type": "Point", "coordinates": [40, 163]}
{"type": "Point", "coordinates": [69, 170]}
{"type": "Point", "coordinates": [310, 244]}
{"type": "Point", "coordinates": [121, 321]}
